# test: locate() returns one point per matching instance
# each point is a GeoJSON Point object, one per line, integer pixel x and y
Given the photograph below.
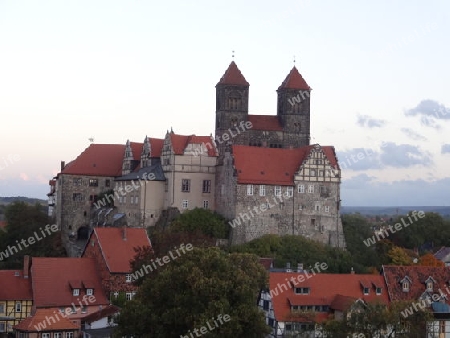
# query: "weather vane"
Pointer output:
{"type": "Point", "coordinates": [294, 60]}
{"type": "Point", "coordinates": [232, 54]}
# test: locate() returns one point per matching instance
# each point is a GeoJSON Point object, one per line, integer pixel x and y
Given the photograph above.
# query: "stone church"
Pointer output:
{"type": "Point", "coordinates": [260, 172]}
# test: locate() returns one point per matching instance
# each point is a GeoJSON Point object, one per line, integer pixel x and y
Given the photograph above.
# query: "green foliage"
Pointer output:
{"type": "Point", "coordinates": [203, 220]}
{"type": "Point", "coordinates": [23, 222]}
{"type": "Point", "coordinates": [194, 289]}
{"type": "Point", "coordinates": [298, 249]}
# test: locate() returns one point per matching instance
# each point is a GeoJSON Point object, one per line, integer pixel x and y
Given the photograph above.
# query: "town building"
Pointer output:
{"type": "Point", "coordinates": [16, 298]}
{"type": "Point", "coordinates": [112, 249]}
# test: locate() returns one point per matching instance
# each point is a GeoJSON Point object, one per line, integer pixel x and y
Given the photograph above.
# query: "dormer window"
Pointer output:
{"type": "Point", "coordinates": [128, 278]}
{"type": "Point", "coordinates": [89, 292]}
{"type": "Point", "coordinates": [406, 283]}
{"type": "Point", "coordinates": [366, 291]}
{"type": "Point", "coordinates": [429, 283]}
{"type": "Point", "coordinates": [76, 292]}
{"type": "Point", "coordinates": [302, 291]}
{"type": "Point", "coordinates": [378, 291]}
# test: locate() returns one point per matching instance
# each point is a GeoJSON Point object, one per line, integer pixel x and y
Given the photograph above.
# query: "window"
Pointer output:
{"type": "Point", "coordinates": [313, 222]}
{"type": "Point", "coordinates": [321, 173]}
{"type": "Point", "coordinates": [266, 305]}
{"type": "Point", "coordinates": [290, 191]}
{"type": "Point", "coordinates": [185, 204]}
{"type": "Point", "coordinates": [2, 327]}
{"type": "Point", "coordinates": [272, 322]}
{"type": "Point", "coordinates": [136, 199]}
{"type": "Point", "coordinates": [429, 286]}
{"type": "Point", "coordinates": [124, 199]}
{"type": "Point", "coordinates": [69, 334]}
{"type": "Point", "coordinates": [129, 295]}
{"type": "Point", "coordinates": [205, 204]}
{"type": "Point", "coordinates": [206, 186]}
{"type": "Point", "coordinates": [312, 172]}
{"type": "Point", "coordinates": [378, 291]}
{"type": "Point", "coordinates": [107, 183]}
{"type": "Point", "coordinates": [262, 190]}
{"type": "Point", "coordinates": [317, 207]}
{"type": "Point", "coordinates": [128, 278]}
{"type": "Point", "coordinates": [77, 181]}
{"type": "Point", "coordinates": [302, 291]}
{"type": "Point", "coordinates": [120, 200]}
{"type": "Point", "coordinates": [277, 190]}
{"type": "Point", "coordinates": [131, 199]}
{"type": "Point", "coordinates": [76, 292]}
{"type": "Point", "coordinates": [77, 197]}
{"type": "Point", "coordinates": [405, 286]}
{"type": "Point", "coordinates": [185, 185]}
{"type": "Point", "coordinates": [366, 290]}
{"type": "Point", "coordinates": [45, 335]}
{"type": "Point", "coordinates": [2, 308]}
{"type": "Point", "coordinates": [311, 189]}
{"type": "Point", "coordinates": [93, 182]}
{"type": "Point", "coordinates": [89, 292]}
{"type": "Point", "coordinates": [327, 208]}
{"type": "Point", "coordinates": [57, 335]}
{"type": "Point", "coordinates": [166, 185]}
{"type": "Point", "coordinates": [249, 189]}
{"type": "Point", "coordinates": [18, 307]}
{"type": "Point", "coordinates": [83, 309]}
{"type": "Point", "coordinates": [301, 189]}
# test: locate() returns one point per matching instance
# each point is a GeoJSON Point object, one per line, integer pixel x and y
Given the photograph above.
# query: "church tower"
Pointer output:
{"type": "Point", "coordinates": [231, 106]}
{"type": "Point", "coordinates": [293, 109]}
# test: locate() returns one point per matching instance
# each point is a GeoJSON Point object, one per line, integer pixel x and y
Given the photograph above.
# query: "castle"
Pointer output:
{"type": "Point", "coordinates": [259, 171]}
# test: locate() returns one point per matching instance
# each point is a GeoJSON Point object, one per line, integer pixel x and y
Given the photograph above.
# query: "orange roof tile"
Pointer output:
{"type": "Point", "coordinates": [180, 142]}
{"type": "Point", "coordinates": [294, 81]}
{"type": "Point", "coordinates": [157, 145]}
{"type": "Point", "coordinates": [324, 288]}
{"type": "Point", "coordinates": [418, 275]}
{"type": "Point", "coordinates": [98, 160]}
{"type": "Point", "coordinates": [14, 287]}
{"type": "Point", "coordinates": [46, 319]}
{"type": "Point", "coordinates": [118, 252]}
{"type": "Point", "coordinates": [136, 148]}
{"type": "Point", "coordinates": [51, 279]}
{"type": "Point", "coordinates": [265, 122]}
{"type": "Point", "coordinates": [233, 76]}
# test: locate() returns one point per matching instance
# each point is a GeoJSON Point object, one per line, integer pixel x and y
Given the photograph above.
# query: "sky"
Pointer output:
{"type": "Point", "coordinates": [119, 70]}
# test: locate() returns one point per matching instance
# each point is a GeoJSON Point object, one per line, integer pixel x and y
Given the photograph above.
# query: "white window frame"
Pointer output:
{"type": "Point", "coordinates": [262, 190]}
{"type": "Point", "coordinates": [277, 190]}
{"type": "Point", "coordinates": [312, 172]}
{"type": "Point", "coordinates": [301, 189]}
{"type": "Point", "coordinates": [18, 307]}
{"type": "Point", "coordinates": [89, 292]}
{"type": "Point", "coordinates": [57, 335]}
{"type": "Point", "coordinates": [75, 292]}
{"type": "Point", "coordinates": [129, 295]}
{"type": "Point", "coordinates": [249, 189]}
{"type": "Point", "coordinates": [45, 335]}
{"type": "Point", "coordinates": [128, 278]}
{"type": "Point", "coordinates": [136, 199]}
{"type": "Point", "coordinates": [290, 191]}
{"type": "Point", "coordinates": [311, 189]}
{"type": "Point", "coordinates": [131, 199]}
{"type": "Point", "coordinates": [205, 204]}
{"type": "Point", "coordinates": [69, 335]}
{"type": "Point", "coordinates": [185, 204]}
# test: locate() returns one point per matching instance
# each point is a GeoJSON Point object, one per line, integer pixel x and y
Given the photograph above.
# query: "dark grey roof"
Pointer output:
{"type": "Point", "coordinates": [442, 253]}
{"type": "Point", "coordinates": [152, 173]}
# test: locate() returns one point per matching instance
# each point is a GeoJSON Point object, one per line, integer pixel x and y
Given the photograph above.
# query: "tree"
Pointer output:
{"type": "Point", "coordinates": [193, 291]}
{"type": "Point", "coordinates": [208, 222]}
{"type": "Point", "coordinates": [398, 256]}
{"type": "Point", "coordinates": [430, 260]}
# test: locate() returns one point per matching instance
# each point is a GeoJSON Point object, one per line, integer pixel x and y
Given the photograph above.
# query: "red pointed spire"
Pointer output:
{"type": "Point", "coordinates": [294, 81]}
{"type": "Point", "coordinates": [233, 76]}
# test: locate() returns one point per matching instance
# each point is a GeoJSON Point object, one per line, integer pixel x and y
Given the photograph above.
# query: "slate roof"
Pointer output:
{"type": "Point", "coordinates": [155, 169]}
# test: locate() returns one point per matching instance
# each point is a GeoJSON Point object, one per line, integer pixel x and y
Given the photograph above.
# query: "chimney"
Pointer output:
{"type": "Point", "coordinates": [124, 233]}
{"type": "Point", "coordinates": [63, 164]}
{"type": "Point", "coordinates": [299, 267]}
{"type": "Point", "coordinates": [288, 267]}
{"type": "Point", "coordinates": [352, 271]}
{"type": "Point", "coordinates": [26, 266]}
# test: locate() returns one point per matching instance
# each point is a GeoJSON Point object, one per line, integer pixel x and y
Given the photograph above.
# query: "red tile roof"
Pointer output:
{"type": "Point", "coordinates": [156, 145]}
{"type": "Point", "coordinates": [136, 148]}
{"type": "Point", "coordinates": [105, 312]}
{"type": "Point", "coordinates": [98, 160]}
{"type": "Point", "coordinates": [51, 279]}
{"type": "Point", "coordinates": [180, 142]}
{"type": "Point", "coordinates": [47, 320]}
{"type": "Point", "coordinates": [418, 275]}
{"type": "Point", "coordinates": [324, 288]}
{"type": "Point", "coordinates": [267, 263]}
{"type": "Point", "coordinates": [14, 287]}
{"type": "Point", "coordinates": [273, 166]}
{"type": "Point", "coordinates": [116, 251]}
{"type": "Point", "coordinates": [233, 76]}
{"type": "Point", "coordinates": [265, 122]}
{"type": "Point", "coordinates": [294, 81]}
